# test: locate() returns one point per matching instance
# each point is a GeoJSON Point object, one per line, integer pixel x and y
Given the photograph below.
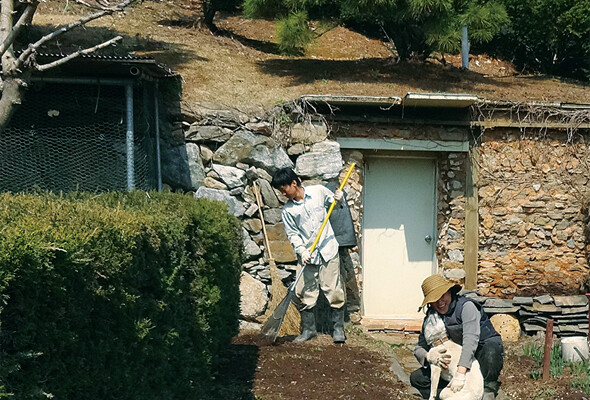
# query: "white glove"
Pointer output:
{"type": "Point", "coordinates": [457, 382]}
{"type": "Point", "coordinates": [305, 256]}
{"type": "Point", "coordinates": [338, 194]}
{"type": "Point", "coordinates": [438, 356]}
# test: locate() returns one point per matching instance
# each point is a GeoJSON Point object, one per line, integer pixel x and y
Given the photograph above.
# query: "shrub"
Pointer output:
{"type": "Point", "coordinates": [561, 47]}
{"type": "Point", "coordinates": [293, 33]}
{"type": "Point", "coordinates": [119, 295]}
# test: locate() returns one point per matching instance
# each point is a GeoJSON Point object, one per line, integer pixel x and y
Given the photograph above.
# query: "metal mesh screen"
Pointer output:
{"type": "Point", "coordinates": [73, 137]}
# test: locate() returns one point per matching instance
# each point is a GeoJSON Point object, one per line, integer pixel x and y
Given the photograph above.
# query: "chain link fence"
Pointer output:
{"type": "Point", "coordinates": [69, 137]}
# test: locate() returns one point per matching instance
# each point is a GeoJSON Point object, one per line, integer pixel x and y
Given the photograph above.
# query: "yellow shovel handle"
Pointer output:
{"type": "Point", "coordinates": [317, 238]}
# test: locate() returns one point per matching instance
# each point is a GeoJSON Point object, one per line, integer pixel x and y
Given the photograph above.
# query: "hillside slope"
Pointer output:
{"type": "Point", "coordinates": [242, 66]}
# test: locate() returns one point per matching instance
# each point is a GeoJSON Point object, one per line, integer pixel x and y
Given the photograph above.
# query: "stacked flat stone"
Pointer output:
{"type": "Point", "coordinates": [569, 313]}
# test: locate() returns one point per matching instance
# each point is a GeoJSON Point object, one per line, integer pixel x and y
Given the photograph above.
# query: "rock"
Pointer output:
{"type": "Point", "coordinates": [262, 174]}
{"type": "Point", "coordinates": [456, 255]}
{"type": "Point", "coordinates": [206, 154]}
{"type": "Point", "coordinates": [214, 114]}
{"type": "Point", "coordinates": [323, 162]}
{"type": "Point", "coordinates": [252, 224]}
{"type": "Point", "coordinates": [272, 216]}
{"type": "Point", "coordinates": [257, 150]}
{"type": "Point", "coordinates": [182, 166]}
{"type": "Point", "coordinates": [251, 210]}
{"type": "Point", "coordinates": [281, 249]}
{"type": "Point", "coordinates": [251, 249]}
{"type": "Point", "coordinates": [231, 176]}
{"type": "Point", "coordinates": [263, 128]}
{"type": "Point", "coordinates": [235, 206]}
{"type": "Point", "coordinates": [309, 132]}
{"type": "Point", "coordinates": [454, 274]}
{"type": "Point", "coordinates": [268, 194]}
{"type": "Point", "coordinates": [249, 326]}
{"type": "Point", "coordinates": [214, 183]}
{"type": "Point", "coordinates": [237, 191]}
{"type": "Point", "coordinates": [296, 149]}
{"type": "Point", "coordinates": [253, 297]}
{"type": "Point", "coordinates": [200, 134]}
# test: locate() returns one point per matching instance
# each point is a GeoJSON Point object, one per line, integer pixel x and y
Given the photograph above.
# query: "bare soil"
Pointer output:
{"type": "Point", "coordinates": [317, 369]}
{"type": "Point", "coordinates": [360, 369]}
{"type": "Point", "coordinates": [242, 67]}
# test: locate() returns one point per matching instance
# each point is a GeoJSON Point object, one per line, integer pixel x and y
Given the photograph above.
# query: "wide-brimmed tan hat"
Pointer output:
{"type": "Point", "coordinates": [434, 287]}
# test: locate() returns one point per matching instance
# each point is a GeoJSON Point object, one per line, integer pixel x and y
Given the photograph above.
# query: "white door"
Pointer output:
{"type": "Point", "coordinates": [399, 235]}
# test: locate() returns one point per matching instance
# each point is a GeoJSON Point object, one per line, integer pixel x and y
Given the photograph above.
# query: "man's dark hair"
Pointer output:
{"type": "Point", "coordinates": [284, 176]}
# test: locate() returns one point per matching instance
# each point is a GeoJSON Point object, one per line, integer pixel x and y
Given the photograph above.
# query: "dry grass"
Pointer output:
{"type": "Point", "coordinates": [242, 67]}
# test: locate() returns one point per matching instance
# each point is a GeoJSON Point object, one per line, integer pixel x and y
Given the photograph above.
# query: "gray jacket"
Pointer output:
{"type": "Point", "coordinates": [341, 220]}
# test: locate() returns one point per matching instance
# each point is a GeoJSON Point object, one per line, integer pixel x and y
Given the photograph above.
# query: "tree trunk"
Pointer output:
{"type": "Point", "coordinates": [12, 95]}
{"type": "Point", "coordinates": [208, 15]}
{"type": "Point", "coordinates": [409, 42]}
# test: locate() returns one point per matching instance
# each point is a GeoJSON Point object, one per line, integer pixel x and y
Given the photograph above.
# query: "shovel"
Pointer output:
{"type": "Point", "coordinates": [271, 327]}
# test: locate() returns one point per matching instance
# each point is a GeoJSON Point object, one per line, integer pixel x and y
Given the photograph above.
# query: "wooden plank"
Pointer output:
{"type": "Point", "coordinates": [471, 220]}
{"type": "Point", "coordinates": [402, 325]}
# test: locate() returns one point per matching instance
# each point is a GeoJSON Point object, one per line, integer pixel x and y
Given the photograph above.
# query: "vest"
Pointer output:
{"type": "Point", "coordinates": [454, 324]}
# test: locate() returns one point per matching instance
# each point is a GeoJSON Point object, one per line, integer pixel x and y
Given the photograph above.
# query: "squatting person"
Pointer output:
{"type": "Point", "coordinates": [466, 324]}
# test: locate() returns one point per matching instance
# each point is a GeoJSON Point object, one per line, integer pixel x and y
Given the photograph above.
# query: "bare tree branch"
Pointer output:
{"type": "Point", "coordinates": [34, 46]}
{"type": "Point", "coordinates": [64, 60]}
{"type": "Point", "coordinates": [18, 27]}
{"type": "Point", "coordinates": [100, 6]}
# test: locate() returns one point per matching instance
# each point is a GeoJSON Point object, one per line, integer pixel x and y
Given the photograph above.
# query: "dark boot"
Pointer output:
{"type": "Point", "coordinates": [338, 321]}
{"type": "Point", "coordinates": [308, 330]}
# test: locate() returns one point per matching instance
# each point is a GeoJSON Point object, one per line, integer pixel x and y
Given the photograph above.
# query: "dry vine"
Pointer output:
{"type": "Point", "coordinates": [300, 110]}
{"type": "Point", "coordinates": [533, 113]}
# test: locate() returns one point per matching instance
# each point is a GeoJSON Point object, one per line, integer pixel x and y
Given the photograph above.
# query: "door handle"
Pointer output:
{"type": "Point", "coordinates": [428, 239]}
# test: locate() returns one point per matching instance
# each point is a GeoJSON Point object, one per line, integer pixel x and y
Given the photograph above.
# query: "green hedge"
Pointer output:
{"type": "Point", "coordinates": [115, 296]}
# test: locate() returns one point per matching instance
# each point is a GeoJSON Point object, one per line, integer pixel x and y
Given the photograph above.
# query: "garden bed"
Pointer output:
{"type": "Point", "coordinates": [361, 369]}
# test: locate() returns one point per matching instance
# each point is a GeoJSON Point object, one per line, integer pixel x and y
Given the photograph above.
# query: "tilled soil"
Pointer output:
{"type": "Point", "coordinates": [317, 369]}
{"type": "Point", "coordinates": [360, 369]}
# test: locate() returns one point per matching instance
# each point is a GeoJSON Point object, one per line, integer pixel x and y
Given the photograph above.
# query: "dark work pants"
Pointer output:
{"type": "Point", "coordinates": [491, 360]}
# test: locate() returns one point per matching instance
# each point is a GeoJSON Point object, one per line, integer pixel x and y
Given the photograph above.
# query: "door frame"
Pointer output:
{"type": "Point", "coordinates": [400, 323]}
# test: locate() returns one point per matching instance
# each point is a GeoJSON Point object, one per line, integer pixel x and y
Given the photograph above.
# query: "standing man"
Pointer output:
{"type": "Point", "coordinates": [302, 216]}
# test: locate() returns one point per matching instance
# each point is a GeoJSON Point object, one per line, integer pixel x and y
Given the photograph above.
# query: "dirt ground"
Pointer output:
{"type": "Point", "coordinates": [241, 66]}
{"type": "Point", "coordinates": [360, 369]}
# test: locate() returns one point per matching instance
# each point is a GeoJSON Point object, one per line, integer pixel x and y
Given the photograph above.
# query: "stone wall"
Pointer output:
{"type": "Point", "coordinates": [531, 194]}
{"type": "Point", "coordinates": [219, 154]}
{"type": "Point", "coordinates": [451, 214]}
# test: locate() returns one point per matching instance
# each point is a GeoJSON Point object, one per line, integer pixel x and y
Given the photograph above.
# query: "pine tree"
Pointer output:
{"type": "Point", "coordinates": [417, 27]}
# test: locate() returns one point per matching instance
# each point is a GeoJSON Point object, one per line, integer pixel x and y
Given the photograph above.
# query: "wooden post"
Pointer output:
{"type": "Point", "coordinates": [471, 220]}
{"type": "Point", "coordinates": [548, 347]}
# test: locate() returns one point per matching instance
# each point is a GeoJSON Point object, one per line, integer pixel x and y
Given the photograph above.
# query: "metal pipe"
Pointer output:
{"type": "Point", "coordinates": [129, 138]}
{"type": "Point", "coordinates": [464, 48]}
{"type": "Point", "coordinates": [158, 161]}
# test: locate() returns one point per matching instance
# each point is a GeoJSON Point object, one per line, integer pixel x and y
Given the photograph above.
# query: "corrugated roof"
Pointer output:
{"type": "Point", "coordinates": [120, 64]}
